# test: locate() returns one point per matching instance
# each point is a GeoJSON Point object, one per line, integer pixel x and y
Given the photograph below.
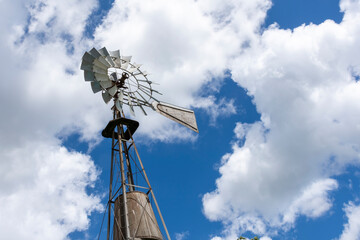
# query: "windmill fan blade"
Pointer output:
{"type": "Point", "coordinates": [110, 61]}
{"type": "Point", "coordinates": [99, 64]}
{"type": "Point", "coordinates": [180, 115]}
{"type": "Point", "coordinates": [113, 90]}
{"type": "Point", "coordinates": [121, 96]}
{"type": "Point", "coordinates": [114, 76]}
{"type": "Point", "coordinates": [85, 65]}
{"type": "Point", "coordinates": [136, 65]}
{"type": "Point", "coordinates": [88, 57]}
{"type": "Point", "coordinates": [95, 53]}
{"type": "Point", "coordinates": [115, 54]}
{"type": "Point", "coordinates": [106, 84]}
{"type": "Point", "coordinates": [103, 61]}
{"type": "Point", "coordinates": [104, 52]}
{"type": "Point", "coordinates": [125, 65]}
{"type": "Point", "coordinates": [118, 105]}
{"type": "Point", "coordinates": [95, 86]}
{"type": "Point", "coordinates": [106, 96]}
{"type": "Point", "coordinates": [89, 76]}
{"type": "Point", "coordinates": [96, 69]}
{"type": "Point", "coordinates": [126, 58]}
{"type": "Point", "coordinates": [117, 62]}
{"type": "Point", "coordinates": [101, 77]}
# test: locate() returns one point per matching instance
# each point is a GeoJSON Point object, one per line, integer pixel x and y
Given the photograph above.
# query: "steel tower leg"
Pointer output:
{"type": "Point", "coordinates": [123, 181]}
{"type": "Point", "coordinates": [110, 185]}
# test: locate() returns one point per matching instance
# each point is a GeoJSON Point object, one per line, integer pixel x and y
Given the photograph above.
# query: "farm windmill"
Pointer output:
{"type": "Point", "coordinates": [130, 213]}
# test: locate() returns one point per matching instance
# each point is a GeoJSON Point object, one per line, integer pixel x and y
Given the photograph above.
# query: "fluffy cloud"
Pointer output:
{"type": "Point", "coordinates": [44, 185]}
{"type": "Point", "coordinates": [223, 108]}
{"type": "Point", "coordinates": [304, 85]}
{"type": "Point", "coordinates": [352, 228]}
{"type": "Point", "coordinates": [181, 236]}
{"type": "Point", "coordinates": [44, 192]}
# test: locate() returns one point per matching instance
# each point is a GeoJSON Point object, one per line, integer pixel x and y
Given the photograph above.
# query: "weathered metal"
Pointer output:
{"type": "Point", "coordinates": [131, 125]}
{"type": "Point", "coordinates": [143, 224]}
{"type": "Point", "coordinates": [123, 185]}
{"type": "Point", "coordinates": [185, 117]}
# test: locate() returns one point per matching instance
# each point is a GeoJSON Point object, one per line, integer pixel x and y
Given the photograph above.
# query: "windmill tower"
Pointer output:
{"type": "Point", "coordinates": [130, 208]}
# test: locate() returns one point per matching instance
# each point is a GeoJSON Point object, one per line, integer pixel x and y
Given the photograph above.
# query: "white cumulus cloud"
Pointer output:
{"type": "Point", "coordinates": [304, 85]}
{"type": "Point", "coordinates": [44, 186]}
{"type": "Point", "coordinates": [352, 227]}
{"type": "Point", "coordinates": [44, 192]}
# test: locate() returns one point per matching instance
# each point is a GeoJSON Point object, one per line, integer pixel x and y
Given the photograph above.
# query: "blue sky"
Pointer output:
{"type": "Point", "coordinates": [274, 86]}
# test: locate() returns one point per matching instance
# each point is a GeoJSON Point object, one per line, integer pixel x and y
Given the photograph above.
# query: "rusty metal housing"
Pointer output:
{"type": "Point", "coordinates": [143, 224]}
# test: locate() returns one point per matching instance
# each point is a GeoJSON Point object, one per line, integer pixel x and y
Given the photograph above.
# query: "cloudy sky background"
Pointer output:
{"type": "Point", "coordinates": [278, 109]}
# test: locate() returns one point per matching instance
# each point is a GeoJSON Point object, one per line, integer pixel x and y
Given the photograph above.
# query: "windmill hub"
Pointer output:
{"type": "Point", "coordinates": [120, 83]}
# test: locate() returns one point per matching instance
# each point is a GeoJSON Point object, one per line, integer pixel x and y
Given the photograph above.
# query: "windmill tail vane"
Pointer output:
{"type": "Point", "coordinates": [130, 211]}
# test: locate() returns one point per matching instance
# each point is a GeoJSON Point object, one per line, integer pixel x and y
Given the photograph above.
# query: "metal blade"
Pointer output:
{"type": "Point", "coordinates": [85, 65]}
{"type": "Point", "coordinates": [117, 62]}
{"type": "Point", "coordinates": [95, 86]}
{"type": "Point", "coordinates": [96, 69]}
{"type": "Point", "coordinates": [101, 77]}
{"type": "Point", "coordinates": [180, 115]}
{"type": "Point", "coordinates": [106, 84]}
{"type": "Point", "coordinates": [99, 64]}
{"type": "Point", "coordinates": [95, 53]}
{"type": "Point", "coordinates": [104, 52]}
{"type": "Point", "coordinates": [103, 61]}
{"type": "Point", "coordinates": [118, 105]}
{"type": "Point", "coordinates": [110, 61]}
{"type": "Point", "coordinates": [106, 97]}
{"type": "Point", "coordinates": [87, 57]}
{"type": "Point", "coordinates": [114, 76]}
{"type": "Point", "coordinates": [121, 96]}
{"type": "Point", "coordinates": [89, 76]}
{"type": "Point", "coordinates": [126, 58]}
{"type": "Point", "coordinates": [125, 65]}
{"type": "Point", "coordinates": [113, 90]}
{"type": "Point", "coordinates": [115, 54]}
